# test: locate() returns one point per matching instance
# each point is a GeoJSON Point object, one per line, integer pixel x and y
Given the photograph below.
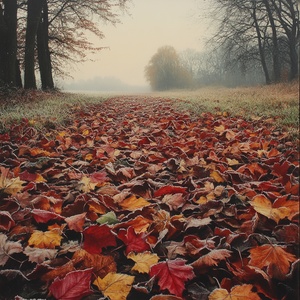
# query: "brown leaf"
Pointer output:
{"type": "Point", "coordinates": [275, 259]}
{"type": "Point", "coordinates": [211, 259]}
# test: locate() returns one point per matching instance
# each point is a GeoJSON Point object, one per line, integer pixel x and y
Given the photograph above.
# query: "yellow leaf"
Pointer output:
{"type": "Point", "coordinates": [85, 132]}
{"type": "Point", "coordinates": [10, 186]}
{"type": "Point", "coordinates": [40, 178]}
{"type": "Point", "coordinates": [217, 176]}
{"type": "Point", "coordinates": [86, 185]}
{"type": "Point", "coordinates": [144, 261]}
{"type": "Point", "coordinates": [133, 203]}
{"type": "Point", "coordinates": [264, 206]}
{"type": "Point", "coordinates": [62, 133]}
{"type": "Point", "coordinates": [232, 162]}
{"type": "Point", "coordinates": [115, 286]}
{"type": "Point", "coordinates": [239, 292]}
{"type": "Point", "coordinates": [220, 129]}
{"type": "Point", "coordinates": [89, 157]}
{"type": "Point", "coordinates": [47, 239]}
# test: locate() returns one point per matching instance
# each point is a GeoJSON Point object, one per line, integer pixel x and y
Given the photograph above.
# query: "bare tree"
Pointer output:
{"type": "Point", "coordinates": [253, 29]}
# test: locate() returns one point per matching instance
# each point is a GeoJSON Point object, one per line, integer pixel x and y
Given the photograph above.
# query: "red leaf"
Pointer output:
{"type": "Point", "coordinates": [169, 189]}
{"type": "Point", "coordinates": [99, 177]}
{"type": "Point", "coordinates": [134, 242]}
{"type": "Point", "coordinates": [172, 275]}
{"type": "Point", "coordinates": [74, 286]}
{"type": "Point", "coordinates": [97, 237]}
{"type": "Point", "coordinates": [44, 216]}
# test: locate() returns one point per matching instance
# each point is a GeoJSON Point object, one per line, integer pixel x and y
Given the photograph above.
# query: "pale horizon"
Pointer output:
{"type": "Point", "coordinates": [149, 25]}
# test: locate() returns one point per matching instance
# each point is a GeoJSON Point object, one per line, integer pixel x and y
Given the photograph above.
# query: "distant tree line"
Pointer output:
{"type": "Point", "coordinates": [263, 33]}
{"type": "Point", "coordinates": [43, 36]}
{"type": "Point", "coordinates": [256, 42]}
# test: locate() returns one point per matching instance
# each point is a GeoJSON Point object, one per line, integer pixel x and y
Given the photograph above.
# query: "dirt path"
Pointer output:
{"type": "Point", "coordinates": [163, 201]}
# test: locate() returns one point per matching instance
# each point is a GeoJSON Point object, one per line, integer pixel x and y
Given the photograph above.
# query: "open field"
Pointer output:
{"type": "Point", "coordinates": [280, 102]}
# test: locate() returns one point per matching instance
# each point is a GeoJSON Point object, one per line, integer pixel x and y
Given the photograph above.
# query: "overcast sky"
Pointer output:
{"type": "Point", "coordinates": [150, 25]}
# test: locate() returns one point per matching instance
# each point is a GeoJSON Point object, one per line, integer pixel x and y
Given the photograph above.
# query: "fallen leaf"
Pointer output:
{"type": "Point", "coordinates": [109, 218]}
{"type": "Point", "coordinates": [75, 285]}
{"type": "Point", "coordinates": [212, 258]}
{"type": "Point", "coordinates": [174, 201]}
{"type": "Point", "coordinates": [38, 255]}
{"type": "Point", "coordinates": [169, 190]}
{"type": "Point", "coordinates": [86, 184]}
{"type": "Point", "coordinates": [7, 248]}
{"type": "Point", "coordinates": [101, 264]}
{"type": "Point", "coordinates": [76, 222]}
{"type": "Point", "coordinates": [133, 203]}
{"type": "Point", "coordinates": [238, 292]}
{"type": "Point", "coordinates": [6, 221]}
{"type": "Point", "coordinates": [275, 259]}
{"type": "Point", "coordinates": [172, 275]}
{"type": "Point", "coordinates": [134, 242]}
{"type": "Point", "coordinates": [95, 238]}
{"type": "Point", "coordinates": [143, 261]}
{"type": "Point", "coordinates": [264, 206]}
{"type": "Point", "coordinates": [10, 186]}
{"type": "Point", "coordinates": [48, 239]}
{"type": "Point", "coordinates": [115, 286]}
{"type": "Point", "coordinates": [44, 216]}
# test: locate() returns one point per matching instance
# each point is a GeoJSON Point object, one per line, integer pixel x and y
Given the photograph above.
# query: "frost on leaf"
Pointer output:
{"type": "Point", "coordinates": [9, 185]}
{"type": "Point", "coordinates": [264, 206]}
{"type": "Point", "coordinates": [38, 255]}
{"type": "Point", "coordinates": [172, 275]}
{"type": "Point", "coordinates": [143, 261]}
{"type": "Point", "coordinates": [115, 286]}
{"type": "Point", "coordinates": [275, 259]}
{"type": "Point", "coordinates": [48, 239]}
{"type": "Point", "coordinates": [134, 242]}
{"type": "Point", "coordinates": [7, 248]}
{"type": "Point", "coordinates": [240, 292]}
{"type": "Point", "coordinates": [75, 285]}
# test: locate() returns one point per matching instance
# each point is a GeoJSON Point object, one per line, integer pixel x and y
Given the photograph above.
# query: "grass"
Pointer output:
{"type": "Point", "coordinates": [280, 102]}
{"type": "Point", "coordinates": [42, 109]}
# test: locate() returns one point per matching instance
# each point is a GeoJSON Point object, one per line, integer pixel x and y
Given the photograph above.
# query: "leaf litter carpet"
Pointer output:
{"type": "Point", "coordinates": [136, 199]}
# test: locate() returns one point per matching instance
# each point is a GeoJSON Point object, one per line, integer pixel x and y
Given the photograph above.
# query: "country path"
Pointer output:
{"type": "Point", "coordinates": [164, 200]}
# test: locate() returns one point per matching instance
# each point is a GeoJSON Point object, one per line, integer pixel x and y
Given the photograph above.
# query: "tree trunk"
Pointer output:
{"type": "Point", "coordinates": [2, 47]}
{"type": "Point", "coordinates": [275, 50]}
{"type": "Point", "coordinates": [10, 18]}
{"type": "Point", "coordinates": [34, 10]}
{"type": "Point", "coordinates": [291, 29]}
{"type": "Point", "coordinates": [44, 56]}
{"type": "Point", "coordinates": [260, 45]}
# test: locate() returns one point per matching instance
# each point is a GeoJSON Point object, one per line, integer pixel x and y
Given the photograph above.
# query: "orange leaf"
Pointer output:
{"type": "Point", "coordinates": [133, 203]}
{"type": "Point", "coordinates": [212, 258]}
{"type": "Point", "coordinates": [274, 258]}
{"type": "Point", "coordinates": [101, 264]}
